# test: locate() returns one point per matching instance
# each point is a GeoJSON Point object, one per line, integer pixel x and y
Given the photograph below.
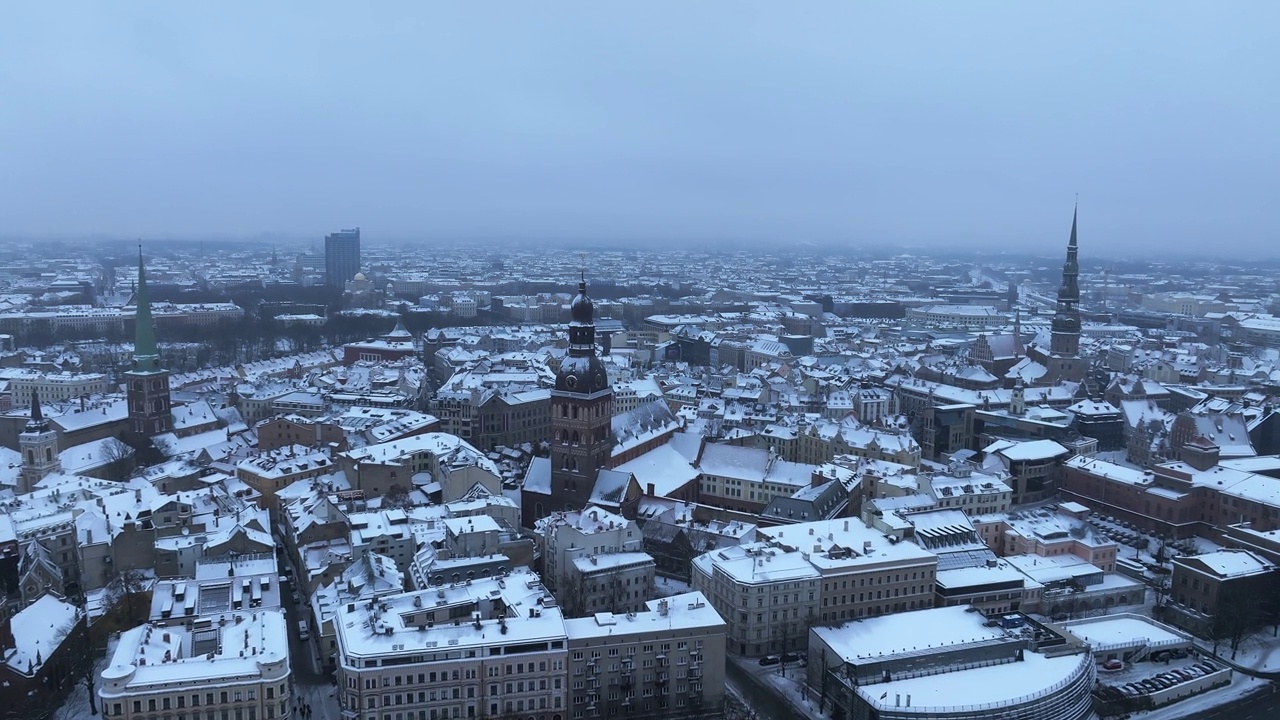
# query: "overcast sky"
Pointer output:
{"type": "Point", "coordinates": [948, 123]}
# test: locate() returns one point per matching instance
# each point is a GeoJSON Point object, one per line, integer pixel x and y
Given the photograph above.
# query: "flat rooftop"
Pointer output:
{"type": "Point", "coordinates": [991, 685]}
{"type": "Point", "coordinates": [907, 632]}
{"type": "Point", "coordinates": [1122, 629]}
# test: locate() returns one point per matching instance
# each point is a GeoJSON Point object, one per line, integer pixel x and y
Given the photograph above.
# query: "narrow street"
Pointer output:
{"type": "Point", "coordinates": [767, 700]}
{"type": "Point", "coordinates": [311, 686]}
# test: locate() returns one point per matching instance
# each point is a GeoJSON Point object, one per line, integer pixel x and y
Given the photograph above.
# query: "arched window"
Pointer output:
{"type": "Point", "coordinates": [48, 454]}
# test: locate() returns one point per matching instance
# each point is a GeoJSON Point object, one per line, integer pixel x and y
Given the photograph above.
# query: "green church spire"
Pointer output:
{"type": "Point", "coordinates": [146, 358]}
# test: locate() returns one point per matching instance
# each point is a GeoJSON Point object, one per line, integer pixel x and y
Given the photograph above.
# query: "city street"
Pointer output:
{"type": "Point", "coordinates": [1262, 706]}
{"type": "Point", "coordinates": [759, 694]}
{"type": "Point", "coordinates": [311, 685]}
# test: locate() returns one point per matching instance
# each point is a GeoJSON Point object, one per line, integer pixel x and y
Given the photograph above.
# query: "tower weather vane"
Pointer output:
{"type": "Point", "coordinates": [582, 266]}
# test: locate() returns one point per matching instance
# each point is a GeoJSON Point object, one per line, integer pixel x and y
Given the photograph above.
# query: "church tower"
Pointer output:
{"type": "Point", "coordinates": [38, 444]}
{"type": "Point", "coordinates": [581, 412]}
{"type": "Point", "coordinates": [1065, 338]}
{"type": "Point", "coordinates": [147, 383]}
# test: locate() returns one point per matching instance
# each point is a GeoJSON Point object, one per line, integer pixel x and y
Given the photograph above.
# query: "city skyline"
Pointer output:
{"type": "Point", "coordinates": [919, 125]}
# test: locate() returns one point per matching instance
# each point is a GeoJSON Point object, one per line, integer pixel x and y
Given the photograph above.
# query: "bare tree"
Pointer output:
{"type": "Point", "coordinates": [129, 590]}
{"type": "Point", "coordinates": [83, 654]}
{"type": "Point", "coordinates": [396, 497]}
{"type": "Point", "coordinates": [119, 459]}
{"type": "Point", "coordinates": [1240, 613]}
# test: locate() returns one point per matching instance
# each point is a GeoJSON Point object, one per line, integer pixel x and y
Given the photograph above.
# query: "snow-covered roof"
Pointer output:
{"type": "Point", "coordinates": [685, 611]}
{"type": "Point", "coordinates": [907, 632]}
{"type": "Point", "coordinates": [1228, 563]}
{"type": "Point", "coordinates": [151, 657]}
{"type": "Point", "coordinates": [38, 630]}
{"type": "Point", "coordinates": [662, 467]}
{"type": "Point", "coordinates": [989, 686]}
{"type": "Point", "coordinates": [1121, 629]}
{"type": "Point", "coordinates": [1033, 450]}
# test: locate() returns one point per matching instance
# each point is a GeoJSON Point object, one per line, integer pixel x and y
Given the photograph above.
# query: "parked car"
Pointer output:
{"type": "Point", "coordinates": [770, 660]}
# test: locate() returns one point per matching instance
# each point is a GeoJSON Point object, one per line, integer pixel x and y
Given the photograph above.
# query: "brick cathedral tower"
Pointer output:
{"type": "Point", "coordinates": [147, 383]}
{"type": "Point", "coordinates": [581, 412]}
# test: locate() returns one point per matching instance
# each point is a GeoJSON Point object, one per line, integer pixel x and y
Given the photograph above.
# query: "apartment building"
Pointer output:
{"type": "Point", "coordinates": [747, 479]}
{"type": "Point", "coordinates": [452, 466]}
{"type": "Point", "coordinates": [770, 591]}
{"type": "Point", "coordinates": [565, 536]}
{"type": "Point", "coordinates": [618, 582]}
{"type": "Point", "coordinates": [55, 387]}
{"type": "Point", "coordinates": [664, 661]}
{"type": "Point", "coordinates": [385, 532]}
{"type": "Point", "coordinates": [483, 648]}
{"type": "Point", "coordinates": [236, 664]}
{"type": "Point", "coordinates": [272, 471]}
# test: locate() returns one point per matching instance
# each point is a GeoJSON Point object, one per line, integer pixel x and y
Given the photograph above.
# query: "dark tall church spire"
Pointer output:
{"type": "Point", "coordinates": [1065, 338]}
{"type": "Point", "coordinates": [582, 327]}
{"type": "Point", "coordinates": [37, 423]}
{"type": "Point", "coordinates": [146, 357]}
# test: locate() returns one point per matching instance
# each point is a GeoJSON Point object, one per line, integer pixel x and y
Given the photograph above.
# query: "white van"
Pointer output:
{"type": "Point", "coordinates": [303, 635]}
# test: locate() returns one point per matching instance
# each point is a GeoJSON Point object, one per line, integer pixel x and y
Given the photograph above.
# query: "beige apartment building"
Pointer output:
{"type": "Point", "coordinates": [234, 666]}
{"type": "Point", "coordinates": [769, 592]}
{"type": "Point", "coordinates": [484, 648]}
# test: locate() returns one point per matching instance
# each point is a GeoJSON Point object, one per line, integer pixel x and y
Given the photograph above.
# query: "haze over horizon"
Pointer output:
{"type": "Point", "coordinates": [950, 125]}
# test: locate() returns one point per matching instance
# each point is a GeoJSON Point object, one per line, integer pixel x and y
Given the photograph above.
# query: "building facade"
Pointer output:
{"type": "Point", "coordinates": [341, 257]}
{"type": "Point", "coordinates": [665, 660]}
{"type": "Point", "coordinates": [233, 666]}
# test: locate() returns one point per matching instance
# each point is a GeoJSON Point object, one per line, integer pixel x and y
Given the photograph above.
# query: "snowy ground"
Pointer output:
{"type": "Point", "coordinates": [792, 685]}
{"type": "Point", "coordinates": [666, 587]}
{"type": "Point", "coordinates": [76, 706]}
{"type": "Point", "coordinates": [1261, 653]}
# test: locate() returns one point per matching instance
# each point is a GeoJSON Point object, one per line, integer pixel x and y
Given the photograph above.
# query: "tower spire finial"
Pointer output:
{"type": "Point", "coordinates": [145, 354]}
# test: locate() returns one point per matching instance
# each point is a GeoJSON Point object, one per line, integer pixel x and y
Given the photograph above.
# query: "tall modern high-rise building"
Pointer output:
{"type": "Point", "coordinates": [341, 257]}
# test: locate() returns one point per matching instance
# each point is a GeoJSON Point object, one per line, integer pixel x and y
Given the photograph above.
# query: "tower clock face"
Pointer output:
{"type": "Point", "coordinates": [601, 381]}
{"type": "Point", "coordinates": [571, 381]}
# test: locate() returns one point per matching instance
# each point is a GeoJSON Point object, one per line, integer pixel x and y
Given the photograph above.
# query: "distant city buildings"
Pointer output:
{"type": "Point", "coordinates": [470, 490]}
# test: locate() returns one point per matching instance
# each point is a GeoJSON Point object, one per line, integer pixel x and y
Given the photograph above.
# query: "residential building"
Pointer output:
{"type": "Point", "coordinates": [235, 662]}
{"type": "Point", "coordinates": [566, 536]}
{"type": "Point", "coordinates": [798, 575]}
{"type": "Point", "coordinates": [485, 648]}
{"type": "Point", "coordinates": [665, 660]}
